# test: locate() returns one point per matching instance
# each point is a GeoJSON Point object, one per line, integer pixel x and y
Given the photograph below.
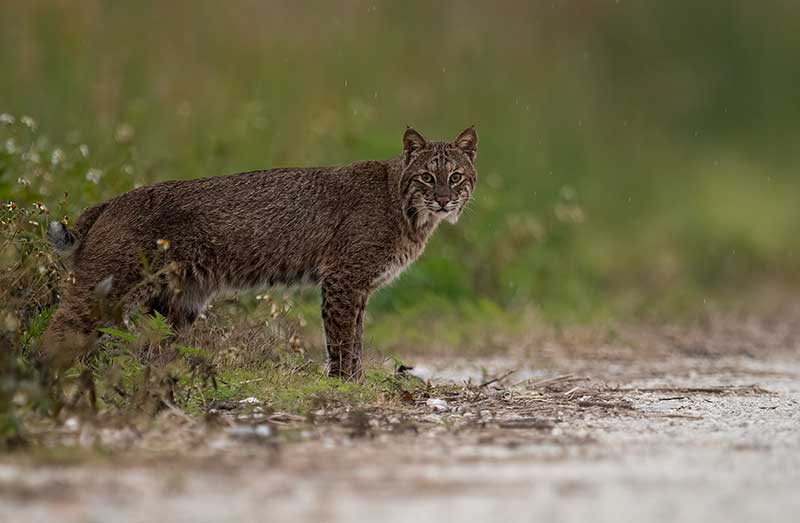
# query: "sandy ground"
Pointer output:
{"type": "Point", "coordinates": [692, 429]}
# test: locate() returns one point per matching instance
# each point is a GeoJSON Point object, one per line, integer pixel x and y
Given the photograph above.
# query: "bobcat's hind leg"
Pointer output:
{"type": "Point", "coordinates": [88, 304]}
{"type": "Point", "coordinates": [72, 330]}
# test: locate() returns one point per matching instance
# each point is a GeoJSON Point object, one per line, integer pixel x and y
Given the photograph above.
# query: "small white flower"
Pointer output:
{"type": "Point", "coordinates": [84, 149]}
{"type": "Point", "coordinates": [11, 146]}
{"type": "Point", "coordinates": [57, 157]}
{"type": "Point", "coordinates": [28, 122]}
{"type": "Point", "coordinates": [7, 119]}
{"type": "Point", "coordinates": [124, 133]}
{"type": "Point", "coordinates": [93, 175]}
{"type": "Point", "coordinates": [24, 182]}
{"type": "Point", "coordinates": [31, 156]}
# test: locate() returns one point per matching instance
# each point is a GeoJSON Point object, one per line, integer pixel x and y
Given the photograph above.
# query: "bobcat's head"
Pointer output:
{"type": "Point", "coordinates": [438, 177]}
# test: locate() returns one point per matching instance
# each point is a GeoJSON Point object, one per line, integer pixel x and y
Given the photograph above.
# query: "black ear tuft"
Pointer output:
{"type": "Point", "coordinates": [413, 142]}
{"type": "Point", "coordinates": [467, 141]}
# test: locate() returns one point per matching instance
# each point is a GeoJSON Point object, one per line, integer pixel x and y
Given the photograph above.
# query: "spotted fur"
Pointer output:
{"type": "Point", "coordinates": [349, 229]}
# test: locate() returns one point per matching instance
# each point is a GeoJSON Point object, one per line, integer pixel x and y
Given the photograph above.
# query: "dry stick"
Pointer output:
{"type": "Point", "coordinates": [573, 390]}
{"type": "Point", "coordinates": [202, 396]}
{"type": "Point", "coordinates": [672, 415]}
{"type": "Point", "coordinates": [605, 404]}
{"type": "Point", "coordinates": [701, 390]}
{"type": "Point", "coordinates": [284, 418]}
{"type": "Point", "coordinates": [498, 379]}
{"type": "Point", "coordinates": [550, 381]}
{"type": "Point", "coordinates": [177, 411]}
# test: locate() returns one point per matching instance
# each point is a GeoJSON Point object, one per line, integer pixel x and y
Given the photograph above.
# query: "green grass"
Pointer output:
{"type": "Point", "coordinates": [197, 380]}
{"type": "Point", "coordinates": [301, 392]}
{"type": "Point", "coordinates": [628, 153]}
{"type": "Point", "coordinates": [635, 159]}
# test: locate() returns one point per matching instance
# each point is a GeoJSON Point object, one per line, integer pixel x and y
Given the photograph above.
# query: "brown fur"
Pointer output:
{"type": "Point", "coordinates": [351, 229]}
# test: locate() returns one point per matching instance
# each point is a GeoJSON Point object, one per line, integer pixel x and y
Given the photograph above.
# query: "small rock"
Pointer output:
{"type": "Point", "coordinates": [219, 443]}
{"type": "Point", "coordinates": [250, 432]}
{"type": "Point", "coordinates": [250, 400]}
{"type": "Point", "coordinates": [439, 405]}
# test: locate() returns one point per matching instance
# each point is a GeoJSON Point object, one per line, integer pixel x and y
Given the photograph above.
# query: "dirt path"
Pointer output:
{"type": "Point", "coordinates": [676, 436]}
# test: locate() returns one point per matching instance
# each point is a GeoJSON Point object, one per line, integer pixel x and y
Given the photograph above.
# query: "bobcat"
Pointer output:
{"type": "Point", "coordinates": [351, 229]}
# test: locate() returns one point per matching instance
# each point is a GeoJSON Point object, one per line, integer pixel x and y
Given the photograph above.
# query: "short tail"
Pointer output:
{"type": "Point", "coordinates": [60, 238]}
{"type": "Point", "coordinates": [65, 241]}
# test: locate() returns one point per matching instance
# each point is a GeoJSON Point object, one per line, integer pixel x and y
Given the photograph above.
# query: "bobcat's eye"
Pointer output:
{"type": "Point", "coordinates": [427, 178]}
{"type": "Point", "coordinates": [456, 177]}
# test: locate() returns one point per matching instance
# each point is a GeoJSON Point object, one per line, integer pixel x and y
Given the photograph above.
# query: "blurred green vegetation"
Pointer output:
{"type": "Point", "coordinates": [634, 156]}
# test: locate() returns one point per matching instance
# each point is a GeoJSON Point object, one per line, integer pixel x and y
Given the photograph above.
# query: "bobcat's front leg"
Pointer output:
{"type": "Point", "coordinates": [342, 314]}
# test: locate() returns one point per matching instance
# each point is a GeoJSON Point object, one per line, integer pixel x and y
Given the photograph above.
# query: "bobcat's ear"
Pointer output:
{"type": "Point", "coordinates": [413, 142]}
{"type": "Point", "coordinates": [467, 141]}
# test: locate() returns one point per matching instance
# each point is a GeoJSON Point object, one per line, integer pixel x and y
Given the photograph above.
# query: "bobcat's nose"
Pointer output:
{"type": "Point", "coordinates": [442, 201]}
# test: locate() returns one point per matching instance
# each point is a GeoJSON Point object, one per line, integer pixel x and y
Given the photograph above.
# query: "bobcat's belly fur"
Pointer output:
{"type": "Point", "coordinates": [350, 229]}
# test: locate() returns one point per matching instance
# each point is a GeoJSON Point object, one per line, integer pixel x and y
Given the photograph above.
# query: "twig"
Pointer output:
{"type": "Point", "coordinates": [177, 411]}
{"type": "Point", "coordinates": [605, 404]}
{"type": "Point", "coordinates": [551, 381]}
{"type": "Point", "coordinates": [575, 389]}
{"type": "Point", "coordinates": [672, 415]}
{"type": "Point", "coordinates": [283, 418]}
{"type": "Point", "coordinates": [498, 379]}
{"type": "Point", "coordinates": [722, 389]}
